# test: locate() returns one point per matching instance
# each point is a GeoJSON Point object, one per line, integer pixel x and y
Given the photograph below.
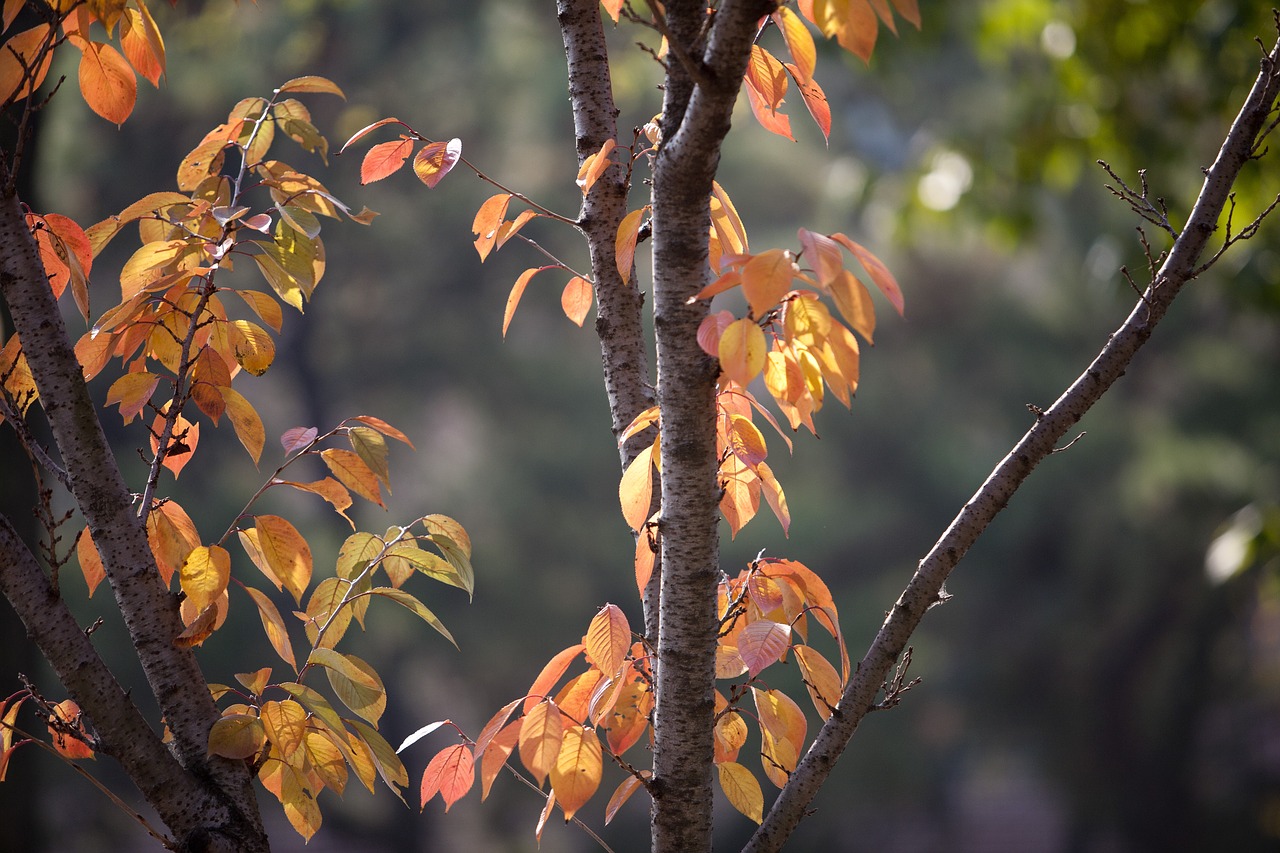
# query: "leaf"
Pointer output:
{"type": "Point", "coordinates": [245, 421]}
{"type": "Point", "coordinates": [576, 299]}
{"type": "Point", "coordinates": [450, 774]}
{"type": "Point", "coordinates": [66, 714]}
{"type": "Point", "coordinates": [487, 221]}
{"type": "Point", "coordinates": [142, 43]}
{"type": "Point", "coordinates": [408, 601]}
{"type": "Point", "coordinates": [635, 490]}
{"type": "Point", "coordinates": [205, 574]}
{"type": "Point", "coordinates": [820, 679]}
{"type": "Point", "coordinates": [18, 56]}
{"type": "Point", "coordinates": [768, 117]}
{"type": "Point", "coordinates": [541, 734]}
{"type": "Point", "coordinates": [314, 84]}
{"type": "Point", "coordinates": [767, 77]}
{"type": "Point", "coordinates": [90, 561]}
{"type": "Point", "coordinates": [742, 351]}
{"type": "Point", "coordinates": [854, 303]}
{"type": "Point", "coordinates": [298, 438]}
{"type": "Point", "coordinates": [625, 242]}
{"type": "Point", "coordinates": [551, 673]}
{"type": "Point", "coordinates": [595, 165]}
{"type": "Point", "coordinates": [420, 734]}
{"type": "Point", "coordinates": [286, 552]}
{"type": "Point", "coordinates": [815, 101]}
{"type": "Point", "coordinates": [237, 736]}
{"type": "Point", "coordinates": [575, 776]}
{"type": "Point", "coordinates": [608, 639]}
{"type": "Point", "coordinates": [274, 626]}
{"type": "Point", "coordinates": [355, 682]}
{"type": "Point", "coordinates": [803, 51]}
{"type": "Point", "coordinates": [621, 794]}
{"type": "Point", "coordinates": [766, 278]}
{"type": "Point", "coordinates": [431, 565]}
{"type": "Point", "coordinates": [711, 329]}
{"type": "Point", "coordinates": [132, 392]}
{"type": "Point", "coordinates": [370, 446]}
{"type": "Point", "coordinates": [435, 160]}
{"type": "Point", "coordinates": [495, 754]}
{"type": "Point", "coordinates": [107, 82]}
{"type": "Point", "coordinates": [517, 291]}
{"type": "Point", "coordinates": [286, 727]}
{"type": "Point", "coordinates": [383, 427]}
{"type": "Point", "coordinates": [367, 129]}
{"type": "Point", "coordinates": [742, 789]}
{"type": "Point", "coordinates": [353, 473]}
{"type": "Point", "coordinates": [385, 159]}
{"type": "Point", "coordinates": [745, 441]}
{"type": "Point", "coordinates": [763, 643]}
{"type": "Point", "coordinates": [851, 22]}
{"type": "Point", "coordinates": [876, 269]}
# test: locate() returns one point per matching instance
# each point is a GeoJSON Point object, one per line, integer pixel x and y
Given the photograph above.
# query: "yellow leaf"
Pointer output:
{"type": "Point", "coordinates": [312, 83]}
{"type": "Point", "coordinates": [575, 776]}
{"type": "Point", "coordinates": [742, 789]}
{"type": "Point", "coordinates": [803, 51]}
{"type": "Point", "coordinates": [517, 291]}
{"type": "Point", "coordinates": [541, 734]}
{"type": "Point", "coordinates": [286, 552]}
{"type": "Point", "coordinates": [767, 76]}
{"type": "Point", "coordinates": [274, 627]}
{"type": "Point", "coordinates": [245, 421]}
{"type": "Point", "coordinates": [285, 723]}
{"type": "Point", "coordinates": [635, 490]}
{"type": "Point", "coordinates": [625, 242]}
{"type": "Point", "coordinates": [237, 736]}
{"type": "Point", "coordinates": [851, 22]}
{"type": "Point", "coordinates": [204, 575]}
{"type": "Point", "coordinates": [608, 639]}
{"type": "Point", "coordinates": [742, 351]}
{"type": "Point", "coordinates": [132, 392]}
{"type": "Point", "coordinates": [353, 473]}
{"type": "Point", "coordinates": [355, 682]}
{"type": "Point", "coordinates": [435, 160]}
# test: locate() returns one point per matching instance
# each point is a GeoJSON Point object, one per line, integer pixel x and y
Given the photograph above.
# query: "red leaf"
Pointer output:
{"type": "Point", "coordinates": [450, 774]}
{"type": "Point", "coordinates": [385, 159]}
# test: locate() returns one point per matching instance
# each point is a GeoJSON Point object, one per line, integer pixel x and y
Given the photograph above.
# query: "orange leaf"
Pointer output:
{"type": "Point", "coordinates": [742, 351]}
{"type": "Point", "coordinates": [595, 165]}
{"type": "Point", "coordinates": [551, 673]}
{"type": "Point", "coordinates": [383, 427]}
{"type": "Point", "coordinates": [385, 159]}
{"type": "Point", "coordinates": [313, 84]}
{"type": "Point", "coordinates": [576, 773]}
{"type": "Point", "coordinates": [625, 242]}
{"type": "Point", "coordinates": [90, 561]}
{"type": "Point", "coordinates": [608, 639]}
{"type": "Point", "coordinates": [767, 77]}
{"type": "Point", "coordinates": [645, 557]}
{"type": "Point", "coordinates": [517, 291]}
{"type": "Point", "coordinates": [854, 302]}
{"type": "Point", "coordinates": [815, 100]}
{"type": "Point", "coordinates": [495, 755]}
{"type": "Point", "coordinates": [132, 391]}
{"type": "Point", "coordinates": [107, 82]}
{"type": "Point", "coordinates": [762, 643]}
{"type": "Point", "coordinates": [142, 43]}
{"type": "Point", "coordinates": [876, 269]}
{"type": "Point", "coordinates": [576, 299]}
{"type": "Point", "coordinates": [15, 81]}
{"type": "Point", "coordinates": [245, 421]}
{"type": "Point", "coordinates": [66, 714]}
{"type": "Point", "coordinates": [450, 774]}
{"type": "Point", "coordinates": [851, 22]}
{"type": "Point", "coordinates": [820, 679]}
{"type": "Point", "coordinates": [822, 255]}
{"type": "Point", "coordinates": [635, 490]}
{"type": "Point", "coordinates": [711, 329]}
{"type": "Point", "coordinates": [487, 221]}
{"type": "Point", "coordinates": [766, 278]}
{"type": "Point", "coordinates": [621, 794]}
{"type": "Point", "coordinates": [768, 117]}
{"type": "Point", "coordinates": [367, 129]}
{"type": "Point", "coordinates": [540, 736]}
{"type": "Point", "coordinates": [495, 725]}
{"type": "Point", "coordinates": [728, 226]}
{"type": "Point", "coordinates": [434, 161]}
{"type": "Point", "coordinates": [286, 726]}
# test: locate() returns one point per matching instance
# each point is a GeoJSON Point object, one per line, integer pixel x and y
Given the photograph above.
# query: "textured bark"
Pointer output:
{"type": "Point", "coordinates": [925, 587]}
{"type": "Point", "coordinates": [226, 813]}
{"type": "Point", "coordinates": [701, 87]}
{"type": "Point", "coordinates": [619, 306]}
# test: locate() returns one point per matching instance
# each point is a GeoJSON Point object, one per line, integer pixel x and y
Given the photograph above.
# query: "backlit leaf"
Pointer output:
{"type": "Point", "coordinates": [876, 269]}
{"type": "Point", "coordinates": [286, 726]}
{"type": "Point", "coordinates": [851, 22]}
{"type": "Point", "coordinates": [575, 775]}
{"type": "Point", "coordinates": [517, 291]}
{"type": "Point", "coordinates": [107, 82]}
{"type": "Point", "coordinates": [312, 83]}
{"type": "Point", "coordinates": [608, 639]}
{"type": "Point", "coordinates": [742, 351]}
{"type": "Point", "coordinates": [385, 159]}
{"type": "Point", "coordinates": [90, 561]}
{"type": "Point", "coordinates": [450, 774]}
{"type": "Point", "coordinates": [763, 643]}
{"type": "Point", "coordinates": [411, 603]}
{"type": "Point", "coordinates": [245, 421]}
{"type": "Point", "coordinates": [799, 42]}
{"type": "Point", "coordinates": [767, 77]}
{"type": "Point", "coordinates": [621, 794]}
{"type": "Point", "coordinates": [494, 756]}
{"type": "Point", "coordinates": [420, 734]}
{"type": "Point", "coordinates": [15, 81]}
{"type": "Point", "coordinates": [388, 765]}
{"type": "Point", "coordinates": [66, 714]}
{"type": "Point", "coordinates": [766, 278]}
{"type": "Point", "coordinates": [742, 789]}
{"type": "Point", "coordinates": [383, 427]}
{"type": "Point", "coordinates": [487, 221]}
{"type": "Point", "coordinates": [435, 160]}
{"type": "Point", "coordinates": [370, 446]}
{"type": "Point", "coordinates": [551, 673]}
{"type": "Point", "coordinates": [274, 626]}
{"type": "Point", "coordinates": [576, 299]}
{"type": "Point", "coordinates": [541, 734]}
{"type": "Point", "coordinates": [355, 682]}
{"type": "Point", "coordinates": [142, 43]}
{"type": "Point", "coordinates": [353, 473]}
{"type": "Point", "coordinates": [769, 118]}
{"type": "Point", "coordinates": [595, 165]}
{"type": "Point", "coordinates": [635, 490]}
{"type": "Point", "coordinates": [132, 392]}
{"type": "Point", "coordinates": [286, 552]}
{"type": "Point", "coordinates": [820, 679]}
{"type": "Point", "coordinates": [204, 575]}
{"type": "Point", "coordinates": [298, 438]}
{"type": "Point", "coordinates": [815, 101]}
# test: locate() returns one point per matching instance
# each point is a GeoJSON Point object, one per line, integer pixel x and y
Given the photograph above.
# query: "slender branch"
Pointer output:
{"type": "Point", "coordinates": [925, 587]}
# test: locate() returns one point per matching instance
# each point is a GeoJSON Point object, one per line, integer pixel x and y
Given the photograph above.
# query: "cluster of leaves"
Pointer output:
{"type": "Point", "coordinates": [180, 349]}
{"type": "Point", "coordinates": [107, 76]}
{"type": "Point", "coordinates": [563, 737]}
{"type": "Point", "coordinates": [787, 336]}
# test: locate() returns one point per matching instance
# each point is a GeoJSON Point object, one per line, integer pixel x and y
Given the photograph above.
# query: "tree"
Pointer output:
{"type": "Point", "coordinates": [711, 455]}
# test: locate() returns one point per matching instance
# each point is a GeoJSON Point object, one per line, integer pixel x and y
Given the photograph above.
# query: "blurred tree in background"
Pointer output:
{"type": "Point", "coordinates": [1096, 684]}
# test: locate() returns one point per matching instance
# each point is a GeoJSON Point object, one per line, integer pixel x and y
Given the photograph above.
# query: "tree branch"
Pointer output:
{"type": "Point", "coordinates": [925, 587]}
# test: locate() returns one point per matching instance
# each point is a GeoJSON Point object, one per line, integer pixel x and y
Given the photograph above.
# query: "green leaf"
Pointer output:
{"type": "Point", "coordinates": [404, 599]}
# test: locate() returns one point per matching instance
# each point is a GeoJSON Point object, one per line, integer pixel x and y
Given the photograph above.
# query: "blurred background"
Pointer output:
{"type": "Point", "coordinates": [1107, 676]}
